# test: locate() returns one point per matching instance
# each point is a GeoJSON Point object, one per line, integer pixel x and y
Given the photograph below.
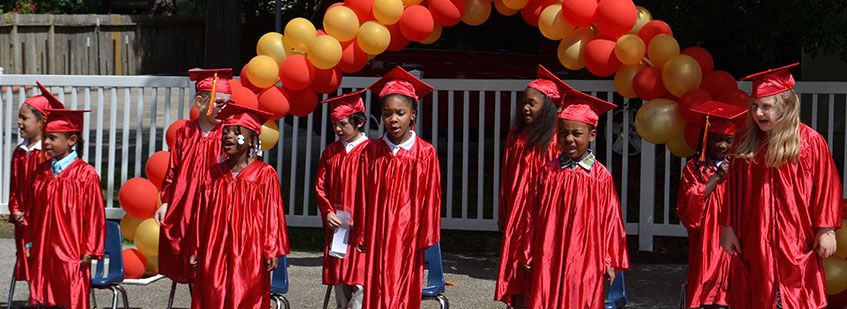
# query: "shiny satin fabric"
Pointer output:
{"type": "Point", "coordinates": [774, 213]}
{"type": "Point", "coordinates": [69, 217]}
{"type": "Point", "coordinates": [336, 186]}
{"type": "Point", "coordinates": [240, 223]}
{"type": "Point", "coordinates": [21, 199]}
{"type": "Point", "coordinates": [708, 263]}
{"type": "Point", "coordinates": [521, 164]}
{"type": "Point", "coordinates": [578, 234]}
{"type": "Point", "coordinates": [190, 159]}
{"type": "Point", "coordinates": [401, 202]}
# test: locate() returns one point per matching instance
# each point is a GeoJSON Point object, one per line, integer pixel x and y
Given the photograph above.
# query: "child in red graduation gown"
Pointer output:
{"type": "Point", "coordinates": [530, 144]}
{"type": "Point", "coordinates": [336, 187]}
{"type": "Point", "coordinates": [782, 203]}
{"type": "Point", "coordinates": [579, 237]}
{"type": "Point", "coordinates": [32, 117]}
{"type": "Point", "coordinates": [196, 148]}
{"type": "Point", "coordinates": [701, 195]}
{"type": "Point", "coordinates": [402, 198]}
{"type": "Point", "coordinates": [68, 224]}
{"type": "Point", "coordinates": [240, 229]}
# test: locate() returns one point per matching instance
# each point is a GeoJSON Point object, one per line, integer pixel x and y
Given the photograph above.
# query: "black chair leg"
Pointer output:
{"type": "Point", "coordinates": [114, 297]}
{"type": "Point", "coordinates": [171, 295]}
{"type": "Point", "coordinates": [93, 297]}
{"type": "Point", "coordinates": [442, 300]}
{"type": "Point", "coordinates": [326, 296]}
{"type": "Point", "coordinates": [285, 302]}
{"type": "Point", "coordinates": [12, 287]}
{"type": "Point", "coordinates": [123, 294]}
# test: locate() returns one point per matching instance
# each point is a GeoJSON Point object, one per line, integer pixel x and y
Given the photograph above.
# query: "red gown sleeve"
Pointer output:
{"type": "Point", "coordinates": [826, 189]}
{"type": "Point", "coordinates": [692, 197]}
{"type": "Point", "coordinates": [533, 200]}
{"type": "Point", "coordinates": [321, 190]}
{"type": "Point", "coordinates": [168, 182]}
{"type": "Point", "coordinates": [94, 225]}
{"type": "Point", "coordinates": [276, 231]}
{"type": "Point", "coordinates": [431, 205]}
{"type": "Point", "coordinates": [360, 212]}
{"type": "Point", "coordinates": [14, 195]}
{"type": "Point", "coordinates": [616, 251]}
{"type": "Point", "coordinates": [195, 223]}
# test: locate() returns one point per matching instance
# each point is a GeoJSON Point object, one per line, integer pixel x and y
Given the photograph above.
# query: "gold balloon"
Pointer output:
{"type": "Point", "coordinates": [553, 25]}
{"type": "Point", "coordinates": [503, 9]}
{"type": "Point", "coordinates": [262, 71]}
{"type": "Point", "coordinates": [835, 270]}
{"type": "Point", "coordinates": [681, 74]}
{"type": "Point", "coordinates": [841, 240]}
{"type": "Point", "coordinates": [679, 147]}
{"type": "Point", "coordinates": [388, 12]}
{"type": "Point", "coordinates": [630, 49]}
{"type": "Point", "coordinates": [658, 121]}
{"type": "Point", "coordinates": [411, 2]}
{"type": "Point", "coordinates": [661, 49]}
{"type": "Point", "coordinates": [515, 4]}
{"type": "Point", "coordinates": [128, 226]}
{"type": "Point", "coordinates": [572, 48]}
{"type": "Point", "coordinates": [476, 12]}
{"type": "Point", "coordinates": [299, 32]}
{"type": "Point", "coordinates": [623, 80]}
{"type": "Point", "coordinates": [434, 36]}
{"type": "Point", "coordinates": [644, 16]}
{"type": "Point", "coordinates": [152, 263]}
{"type": "Point", "coordinates": [324, 52]}
{"type": "Point", "coordinates": [147, 237]}
{"type": "Point", "coordinates": [271, 45]}
{"type": "Point", "coordinates": [270, 135]}
{"type": "Point", "coordinates": [341, 22]}
{"type": "Point", "coordinates": [373, 38]}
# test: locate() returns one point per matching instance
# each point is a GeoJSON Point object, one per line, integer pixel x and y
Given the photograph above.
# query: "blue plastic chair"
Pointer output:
{"type": "Point", "coordinates": [279, 284]}
{"type": "Point", "coordinates": [112, 277]}
{"type": "Point", "coordinates": [616, 293]}
{"type": "Point", "coordinates": [434, 289]}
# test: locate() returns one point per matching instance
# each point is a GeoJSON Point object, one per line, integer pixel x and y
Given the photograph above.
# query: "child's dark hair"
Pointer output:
{"type": "Point", "coordinates": [80, 143]}
{"type": "Point", "coordinates": [254, 137]}
{"type": "Point", "coordinates": [540, 131]}
{"type": "Point", "coordinates": [412, 102]}
{"type": "Point", "coordinates": [37, 113]}
{"type": "Point", "coordinates": [358, 120]}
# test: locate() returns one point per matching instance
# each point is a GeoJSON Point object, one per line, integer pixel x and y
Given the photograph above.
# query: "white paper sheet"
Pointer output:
{"type": "Point", "coordinates": [340, 238]}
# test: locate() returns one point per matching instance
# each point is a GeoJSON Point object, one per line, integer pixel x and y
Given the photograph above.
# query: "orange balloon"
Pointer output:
{"type": "Point", "coordinates": [271, 44]}
{"type": "Point", "coordinates": [505, 10]}
{"type": "Point", "coordinates": [630, 49]}
{"type": "Point", "coordinates": [324, 52]}
{"type": "Point", "coordinates": [681, 74]}
{"type": "Point", "coordinates": [135, 263]}
{"type": "Point", "coordinates": [661, 49]}
{"type": "Point", "coordinates": [341, 22]}
{"type": "Point", "coordinates": [434, 36]}
{"type": "Point", "coordinates": [476, 12]}
{"type": "Point", "coordinates": [147, 237]}
{"type": "Point", "coordinates": [170, 135]}
{"type": "Point", "coordinates": [388, 12]}
{"type": "Point", "coordinates": [153, 263]}
{"type": "Point", "coordinates": [644, 16]}
{"type": "Point", "coordinates": [157, 166]}
{"type": "Point", "coordinates": [128, 226]}
{"type": "Point", "coordinates": [624, 78]}
{"type": "Point", "coordinates": [263, 71]}
{"type": "Point", "coordinates": [138, 197]}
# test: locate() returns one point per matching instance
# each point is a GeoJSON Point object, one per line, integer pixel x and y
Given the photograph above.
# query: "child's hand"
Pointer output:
{"type": "Point", "coordinates": [825, 242]}
{"type": "Point", "coordinates": [86, 259]}
{"type": "Point", "coordinates": [610, 274]}
{"type": "Point", "coordinates": [360, 247]}
{"type": "Point", "coordinates": [729, 241]}
{"type": "Point", "coordinates": [192, 260]}
{"type": "Point", "coordinates": [18, 217]}
{"type": "Point", "coordinates": [160, 214]}
{"type": "Point", "coordinates": [272, 263]}
{"type": "Point", "coordinates": [332, 221]}
{"type": "Point", "coordinates": [722, 170]}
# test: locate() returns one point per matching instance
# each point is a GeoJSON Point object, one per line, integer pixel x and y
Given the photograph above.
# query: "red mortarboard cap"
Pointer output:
{"type": "Point", "coordinates": [550, 85]}
{"type": "Point", "coordinates": [45, 101]}
{"type": "Point", "coordinates": [246, 117]}
{"type": "Point", "coordinates": [64, 120]}
{"type": "Point", "coordinates": [721, 116]}
{"type": "Point", "coordinates": [583, 107]}
{"type": "Point", "coordinates": [772, 81]}
{"type": "Point", "coordinates": [398, 81]}
{"type": "Point", "coordinates": [345, 105]}
{"type": "Point", "coordinates": [206, 79]}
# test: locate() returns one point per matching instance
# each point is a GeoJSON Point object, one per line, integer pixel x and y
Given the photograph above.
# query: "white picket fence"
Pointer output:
{"type": "Point", "coordinates": [466, 121]}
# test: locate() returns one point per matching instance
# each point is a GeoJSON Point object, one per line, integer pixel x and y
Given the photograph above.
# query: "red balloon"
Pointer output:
{"type": "Point", "coordinates": [303, 102]}
{"type": "Point", "coordinates": [692, 136]}
{"type": "Point", "coordinates": [170, 135]}
{"type": "Point", "coordinates": [353, 59]}
{"type": "Point", "coordinates": [600, 57]}
{"type": "Point", "coordinates": [615, 17]}
{"type": "Point", "coordinates": [398, 41]}
{"type": "Point", "coordinates": [532, 11]}
{"type": "Point", "coordinates": [703, 57]}
{"type": "Point", "coordinates": [689, 100]}
{"type": "Point", "coordinates": [334, 5]}
{"type": "Point", "coordinates": [244, 96]}
{"type": "Point", "coordinates": [319, 32]}
{"type": "Point", "coordinates": [135, 263]}
{"type": "Point", "coordinates": [273, 100]}
{"type": "Point", "coordinates": [718, 82]}
{"type": "Point", "coordinates": [139, 197]}
{"type": "Point", "coordinates": [447, 12]}
{"type": "Point", "coordinates": [653, 28]}
{"type": "Point", "coordinates": [244, 82]}
{"type": "Point", "coordinates": [194, 113]}
{"type": "Point", "coordinates": [647, 83]}
{"type": "Point", "coordinates": [157, 166]}
{"type": "Point", "coordinates": [296, 72]}
{"type": "Point", "coordinates": [327, 81]}
{"type": "Point", "coordinates": [735, 96]}
{"type": "Point", "coordinates": [416, 23]}
{"type": "Point", "coordinates": [579, 13]}
{"type": "Point", "coordinates": [362, 8]}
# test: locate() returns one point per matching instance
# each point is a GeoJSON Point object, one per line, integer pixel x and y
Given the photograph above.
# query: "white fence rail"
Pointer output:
{"type": "Point", "coordinates": [466, 121]}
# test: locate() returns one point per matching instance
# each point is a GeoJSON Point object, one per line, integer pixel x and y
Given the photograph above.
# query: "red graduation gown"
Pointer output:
{"type": "Point", "coordinates": [521, 164]}
{"type": "Point", "coordinates": [402, 200]}
{"type": "Point", "coordinates": [708, 263]}
{"type": "Point", "coordinates": [191, 157]}
{"type": "Point", "coordinates": [336, 189]}
{"type": "Point", "coordinates": [69, 216]}
{"type": "Point", "coordinates": [774, 212]}
{"type": "Point", "coordinates": [21, 199]}
{"type": "Point", "coordinates": [578, 235]}
{"type": "Point", "coordinates": [240, 224]}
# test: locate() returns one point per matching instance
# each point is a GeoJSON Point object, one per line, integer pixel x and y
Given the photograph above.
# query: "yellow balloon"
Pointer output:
{"type": "Point", "coordinates": [476, 12]}
{"type": "Point", "coordinates": [262, 71]}
{"type": "Point", "coordinates": [503, 9]}
{"type": "Point", "coordinates": [341, 22]}
{"type": "Point", "coordinates": [371, 57]}
{"type": "Point", "coordinates": [324, 52]}
{"type": "Point", "coordinates": [411, 2]}
{"type": "Point", "coordinates": [388, 12]}
{"type": "Point", "coordinates": [662, 48]}
{"type": "Point", "coordinates": [681, 74]}
{"type": "Point", "coordinates": [572, 48]}
{"type": "Point", "coordinates": [373, 38]}
{"type": "Point", "coordinates": [128, 226]}
{"type": "Point", "coordinates": [271, 45]}
{"type": "Point", "coordinates": [679, 147]}
{"type": "Point", "coordinates": [152, 263]}
{"type": "Point", "coordinates": [515, 4]}
{"type": "Point", "coordinates": [630, 49]}
{"type": "Point", "coordinates": [270, 135]}
{"type": "Point", "coordinates": [147, 237]}
{"type": "Point", "coordinates": [623, 80]}
{"type": "Point", "coordinates": [835, 270]}
{"type": "Point", "coordinates": [552, 24]}
{"type": "Point", "coordinates": [434, 36]}
{"type": "Point", "coordinates": [299, 32]}
{"type": "Point", "coordinates": [658, 121]}
{"type": "Point", "coordinates": [841, 240]}
{"type": "Point", "coordinates": [644, 16]}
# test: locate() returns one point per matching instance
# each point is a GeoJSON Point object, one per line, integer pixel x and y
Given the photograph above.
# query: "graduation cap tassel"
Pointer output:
{"type": "Point", "coordinates": [212, 97]}
{"type": "Point", "coordinates": [705, 140]}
